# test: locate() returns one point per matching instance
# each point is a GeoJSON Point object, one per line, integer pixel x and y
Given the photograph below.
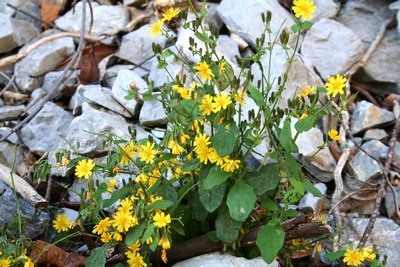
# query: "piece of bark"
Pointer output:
{"type": "Point", "coordinates": [23, 188]}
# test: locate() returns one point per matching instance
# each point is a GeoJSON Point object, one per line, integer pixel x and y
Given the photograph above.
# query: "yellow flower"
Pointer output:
{"type": "Point", "coordinates": [117, 236]}
{"type": "Point", "coordinates": [204, 71]}
{"type": "Point", "coordinates": [62, 223]}
{"type": "Point", "coordinates": [142, 178]}
{"type": "Point", "coordinates": [135, 247]}
{"type": "Point", "coordinates": [336, 85]}
{"type": "Point", "coordinates": [106, 237]}
{"type": "Point", "coordinates": [230, 164]}
{"type": "Point", "coordinates": [126, 205]}
{"type": "Point", "coordinates": [155, 28]}
{"type": "Point", "coordinates": [221, 102]}
{"type": "Point", "coordinates": [353, 257]}
{"type": "Point", "coordinates": [206, 105]}
{"type": "Point", "coordinates": [127, 153]}
{"type": "Point", "coordinates": [116, 170]}
{"type": "Point", "coordinates": [102, 227]}
{"type": "Point", "coordinates": [5, 262]}
{"type": "Point", "coordinates": [215, 158]}
{"type": "Point", "coordinates": [306, 91]}
{"type": "Point", "coordinates": [203, 154]}
{"type": "Point", "coordinates": [135, 260]}
{"type": "Point", "coordinates": [164, 255]}
{"type": "Point", "coordinates": [334, 135]}
{"type": "Point", "coordinates": [221, 66]}
{"type": "Point", "coordinates": [161, 220]}
{"type": "Point", "coordinates": [65, 161]}
{"type": "Point", "coordinates": [111, 185]}
{"type": "Point", "coordinates": [170, 13]}
{"type": "Point", "coordinates": [304, 115]}
{"type": "Point", "coordinates": [239, 97]}
{"type": "Point", "coordinates": [28, 262]}
{"type": "Point", "coordinates": [84, 169]}
{"type": "Point", "coordinates": [303, 8]}
{"type": "Point", "coordinates": [368, 253]}
{"type": "Point", "coordinates": [149, 240]}
{"type": "Point", "coordinates": [176, 149]}
{"type": "Point", "coordinates": [123, 221]}
{"type": "Point", "coordinates": [164, 242]}
{"type": "Point", "coordinates": [319, 247]}
{"type": "Point", "coordinates": [201, 141]}
{"type": "Point", "coordinates": [184, 92]}
{"type": "Point", "coordinates": [183, 137]}
{"type": "Point", "coordinates": [147, 153]}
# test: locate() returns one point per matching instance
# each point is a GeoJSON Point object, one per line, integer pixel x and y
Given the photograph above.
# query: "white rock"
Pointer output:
{"type": "Point", "coordinates": [325, 9]}
{"type": "Point", "coordinates": [152, 114]}
{"type": "Point", "coordinates": [51, 79]}
{"type": "Point", "coordinates": [8, 113]}
{"type": "Point", "coordinates": [376, 134]}
{"type": "Point", "coordinates": [332, 47]}
{"type": "Point", "coordinates": [309, 203]}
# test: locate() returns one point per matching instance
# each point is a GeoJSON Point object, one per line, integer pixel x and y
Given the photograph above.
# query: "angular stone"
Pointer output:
{"type": "Point", "coordinates": [141, 52]}
{"type": "Point", "coordinates": [7, 151]}
{"type": "Point", "coordinates": [364, 168]}
{"type": "Point", "coordinates": [245, 19]}
{"type": "Point", "coordinates": [376, 134]}
{"type": "Point", "coordinates": [43, 59]}
{"type": "Point", "coordinates": [103, 97]}
{"type": "Point", "coordinates": [8, 113]}
{"type": "Point", "coordinates": [152, 114]}
{"type": "Point", "coordinates": [325, 9]}
{"type": "Point", "coordinates": [112, 72]}
{"type": "Point", "coordinates": [37, 134]}
{"type": "Point", "coordinates": [107, 19]}
{"type": "Point", "coordinates": [385, 235]}
{"type": "Point", "coordinates": [329, 55]}
{"type": "Point", "coordinates": [14, 33]}
{"type": "Point", "coordinates": [366, 115]}
{"type": "Point", "coordinates": [34, 102]}
{"type": "Point", "coordinates": [212, 16]}
{"type": "Point", "coordinates": [396, 154]}
{"type": "Point", "coordinates": [121, 88]}
{"type": "Point", "coordinates": [36, 222]}
{"type": "Point", "coordinates": [396, 7]}
{"type": "Point", "coordinates": [227, 48]}
{"type": "Point", "coordinates": [51, 79]}
{"type": "Point", "coordinates": [34, 10]}
{"type": "Point", "coordinates": [13, 138]}
{"type": "Point", "coordinates": [224, 260]}
{"type": "Point", "coordinates": [390, 203]}
{"type": "Point", "coordinates": [309, 203]}
{"type": "Point", "coordinates": [376, 149]}
{"type": "Point", "coordinates": [75, 103]}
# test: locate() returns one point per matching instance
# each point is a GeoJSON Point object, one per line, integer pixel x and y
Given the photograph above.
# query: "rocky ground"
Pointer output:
{"type": "Point", "coordinates": [92, 99]}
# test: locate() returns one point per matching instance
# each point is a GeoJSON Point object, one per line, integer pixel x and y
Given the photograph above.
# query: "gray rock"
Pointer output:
{"type": "Point", "coordinates": [112, 72]}
{"type": "Point", "coordinates": [309, 203]}
{"type": "Point", "coordinates": [364, 168]}
{"type": "Point", "coordinates": [141, 52]}
{"type": "Point", "coordinates": [121, 88]}
{"type": "Point", "coordinates": [325, 9]}
{"type": "Point", "coordinates": [7, 151]}
{"type": "Point", "coordinates": [103, 97]}
{"type": "Point", "coordinates": [227, 48]}
{"type": "Point", "coordinates": [152, 114]}
{"type": "Point", "coordinates": [358, 14]}
{"type": "Point", "coordinates": [387, 57]}
{"type": "Point", "coordinates": [107, 19]}
{"type": "Point", "coordinates": [1, 102]}
{"type": "Point", "coordinates": [224, 260]}
{"type": "Point", "coordinates": [34, 102]}
{"type": "Point", "coordinates": [13, 138]}
{"type": "Point", "coordinates": [329, 55]}
{"type": "Point", "coordinates": [376, 149]}
{"type": "Point", "coordinates": [212, 17]}
{"type": "Point", "coordinates": [385, 235]}
{"type": "Point", "coordinates": [75, 103]}
{"type": "Point", "coordinates": [158, 132]}
{"type": "Point", "coordinates": [71, 214]}
{"type": "Point", "coordinates": [34, 10]}
{"type": "Point", "coordinates": [301, 73]}
{"type": "Point", "coordinates": [38, 136]}
{"type": "Point", "coordinates": [36, 221]}
{"type": "Point", "coordinates": [376, 134]}
{"type": "Point", "coordinates": [14, 33]}
{"type": "Point", "coordinates": [245, 19]}
{"type": "Point", "coordinates": [8, 113]}
{"type": "Point", "coordinates": [396, 7]}
{"type": "Point", "coordinates": [396, 154]}
{"type": "Point", "coordinates": [390, 204]}
{"type": "Point", "coordinates": [52, 78]}
{"type": "Point", "coordinates": [366, 115]}
{"type": "Point", "coordinates": [43, 59]}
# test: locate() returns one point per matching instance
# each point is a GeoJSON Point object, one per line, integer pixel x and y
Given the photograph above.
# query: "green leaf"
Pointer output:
{"type": "Point", "coordinates": [135, 233]}
{"type": "Point", "coordinates": [190, 165]}
{"type": "Point", "coordinates": [74, 161]}
{"type": "Point", "coordinates": [159, 204]}
{"type": "Point", "coordinates": [203, 37]}
{"type": "Point", "coordinates": [303, 125]}
{"type": "Point", "coordinates": [167, 53]}
{"type": "Point", "coordinates": [285, 138]}
{"type": "Point", "coordinates": [119, 264]}
{"type": "Point", "coordinates": [227, 229]}
{"type": "Point", "coordinates": [241, 199]}
{"type": "Point", "coordinates": [167, 191]}
{"type": "Point", "coordinates": [177, 227]}
{"type": "Point", "coordinates": [226, 78]}
{"type": "Point", "coordinates": [270, 240]}
{"type": "Point", "coordinates": [198, 209]}
{"type": "Point", "coordinates": [116, 195]}
{"type": "Point", "coordinates": [269, 204]}
{"type": "Point", "coordinates": [148, 233]}
{"type": "Point", "coordinates": [335, 255]}
{"type": "Point", "coordinates": [131, 95]}
{"type": "Point", "coordinates": [162, 64]}
{"type": "Point", "coordinates": [309, 187]}
{"type": "Point", "coordinates": [215, 176]}
{"type": "Point", "coordinates": [256, 95]}
{"type": "Point", "coordinates": [98, 257]}
{"type": "Point", "coordinates": [297, 185]}
{"type": "Point", "coordinates": [296, 27]}
{"type": "Point", "coordinates": [225, 138]}
{"type": "Point", "coordinates": [306, 25]}
{"type": "Point", "coordinates": [321, 90]}
{"type": "Point", "coordinates": [264, 179]}
{"type": "Point", "coordinates": [212, 236]}
{"type": "Point", "coordinates": [212, 199]}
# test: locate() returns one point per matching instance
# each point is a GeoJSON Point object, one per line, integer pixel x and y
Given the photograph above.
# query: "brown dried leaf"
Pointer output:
{"type": "Point", "coordinates": [90, 72]}
{"type": "Point", "coordinates": [50, 12]}
{"type": "Point", "coordinates": [14, 98]}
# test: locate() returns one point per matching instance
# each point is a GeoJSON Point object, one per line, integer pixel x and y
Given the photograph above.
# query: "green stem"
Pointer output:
{"type": "Point", "coordinates": [15, 191]}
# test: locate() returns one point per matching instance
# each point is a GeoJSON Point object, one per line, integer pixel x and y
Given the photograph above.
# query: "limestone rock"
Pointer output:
{"type": "Point", "coordinates": [329, 55]}
{"type": "Point", "coordinates": [112, 72]}
{"type": "Point", "coordinates": [51, 79]}
{"type": "Point", "coordinates": [8, 113]}
{"type": "Point", "coordinates": [376, 149]}
{"type": "Point", "coordinates": [46, 128]}
{"type": "Point", "coordinates": [309, 203]}
{"type": "Point", "coordinates": [152, 114]}
{"type": "Point", "coordinates": [390, 204]}
{"type": "Point", "coordinates": [75, 103]}
{"type": "Point", "coordinates": [364, 168]}
{"type": "Point", "coordinates": [376, 134]}
{"type": "Point", "coordinates": [366, 115]}
{"type": "Point", "coordinates": [107, 19]}
{"type": "Point", "coordinates": [325, 9]}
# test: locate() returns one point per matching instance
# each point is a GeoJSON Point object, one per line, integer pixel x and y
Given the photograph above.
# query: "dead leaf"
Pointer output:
{"type": "Point", "coordinates": [50, 12]}
{"type": "Point", "coordinates": [50, 255]}
{"type": "Point", "coordinates": [90, 72]}
{"type": "Point", "coordinates": [14, 98]}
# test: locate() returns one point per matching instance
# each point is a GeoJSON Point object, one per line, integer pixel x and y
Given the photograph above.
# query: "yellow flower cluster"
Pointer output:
{"type": "Point", "coordinates": [156, 28]}
{"type": "Point", "coordinates": [62, 223]}
{"type": "Point", "coordinates": [303, 8]}
{"type": "Point", "coordinates": [356, 257]}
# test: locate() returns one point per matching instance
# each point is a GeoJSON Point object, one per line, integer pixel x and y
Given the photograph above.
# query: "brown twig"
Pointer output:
{"type": "Point", "coordinates": [51, 25]}
{"type": "Point", "coordinates": [63, 77]}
